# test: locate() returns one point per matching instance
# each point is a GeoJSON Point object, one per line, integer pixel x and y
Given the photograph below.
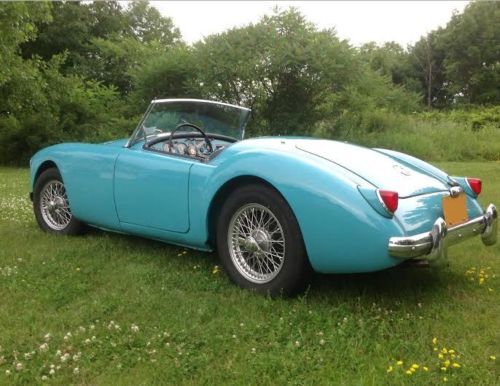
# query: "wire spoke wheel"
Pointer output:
{"type": "Point", "coordinates": [54, 205]}
{"type": "Point", "coordinates": [256, 243]}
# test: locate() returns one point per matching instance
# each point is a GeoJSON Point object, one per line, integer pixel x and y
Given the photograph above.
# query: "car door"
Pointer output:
{"type": "Point", "coordinates": [151, 189]}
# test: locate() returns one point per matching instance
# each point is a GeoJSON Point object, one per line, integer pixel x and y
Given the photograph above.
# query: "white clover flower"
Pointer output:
{"type": "Point", "coordinates": [52, 366]}
{"type": "Point", "coordinates": [19, 366]}
{"type": "Point", "coordinates": [81, 329]}
{"type": "Point", "coordinates": [58, 353]}
{"type": "Point", "coordinates": [297, 343]}
{"type": "Point", "coordinates": [44, 378]}
{"type": "Point", "coordinates": [322, 342]}
{"type": "Point", "coordinates": [44, 347]}
{"type": "Point", "coordinates": [52, 372]}
{"type": "Point", "coordinates": [65, 357]}
{"type": "Point", "coordinates": [76, 357]}
{"type": "Point", "coordinates": [254, 350]}
{"type": "Point", "coordinates": [91, 326]}
{"type": "Point", "coordinates": [134, 328]}
{"type": "Point", "coordinates": [93, 337]}
{"type": "Point", "coordinates": [47, 337]}
{"type": "Point", "coordinates": [87, 341]}
{"type": "Point", "coordinates": [7, 372]}
{"type": "Point", "coordinates": [76, 370]}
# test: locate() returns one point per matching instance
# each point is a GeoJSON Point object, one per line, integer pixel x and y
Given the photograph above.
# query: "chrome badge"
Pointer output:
{"type": "Point", "coordinates": [402, 170]}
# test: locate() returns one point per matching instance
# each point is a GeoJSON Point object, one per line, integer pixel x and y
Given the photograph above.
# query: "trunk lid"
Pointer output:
{"type": "Point", "coordinates": [379, 169]}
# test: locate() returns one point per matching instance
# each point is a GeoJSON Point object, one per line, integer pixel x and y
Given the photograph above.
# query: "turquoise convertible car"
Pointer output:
{"type": "Point", "coordinates": [275, 208]}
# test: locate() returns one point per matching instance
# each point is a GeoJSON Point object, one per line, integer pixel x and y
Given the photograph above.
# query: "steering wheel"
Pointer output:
{"type": "Point", "coordinates": [205, 136]}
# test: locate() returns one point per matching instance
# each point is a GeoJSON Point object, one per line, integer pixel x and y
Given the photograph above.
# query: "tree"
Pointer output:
{"type": "Point", "coordinates": [427, 60]}
{"type": "Point", "coordinates": [471, 42]}
{"type": "Point", "coordinates": [282, 67]}
{"type": "Point", "coordinates": [146, 24]}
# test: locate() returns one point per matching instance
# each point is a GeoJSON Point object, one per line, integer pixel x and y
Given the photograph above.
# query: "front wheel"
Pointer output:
{"type": "Point", "coordinates": [51, 205]}
{"type": "Point", "coordinates": [260, 243]}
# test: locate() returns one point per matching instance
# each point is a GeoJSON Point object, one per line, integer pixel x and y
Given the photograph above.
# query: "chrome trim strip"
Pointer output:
{"type": "Point", "coordinates": [199, 100]}
{"type": "Point", "coordinates": [433, 245]}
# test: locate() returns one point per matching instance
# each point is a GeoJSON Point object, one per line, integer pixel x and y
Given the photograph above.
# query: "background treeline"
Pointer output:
{"type": "Point", "coordinates": [86, 71]}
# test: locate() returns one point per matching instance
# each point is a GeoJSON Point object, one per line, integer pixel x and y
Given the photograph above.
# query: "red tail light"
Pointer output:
{"type": "Point", "coordinates": [389, 200]}
{"type": "Point", "coordinates": [475, 184]}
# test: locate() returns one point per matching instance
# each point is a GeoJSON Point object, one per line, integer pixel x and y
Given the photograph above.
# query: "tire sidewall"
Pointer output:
{"type": "Point", "coordinates": [295, 267]}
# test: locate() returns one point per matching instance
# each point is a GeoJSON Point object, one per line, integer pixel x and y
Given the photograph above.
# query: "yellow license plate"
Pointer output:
{"type": "Point", "coordinates": [455, 209]}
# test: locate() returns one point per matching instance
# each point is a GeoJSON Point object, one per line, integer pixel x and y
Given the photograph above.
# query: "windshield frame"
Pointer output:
{"type": "Point", "coordinates": [134, 139]}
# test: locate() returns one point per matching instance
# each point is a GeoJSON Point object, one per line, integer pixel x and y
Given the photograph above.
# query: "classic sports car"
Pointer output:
{"type": "Point", "coordinates": [275, 208]}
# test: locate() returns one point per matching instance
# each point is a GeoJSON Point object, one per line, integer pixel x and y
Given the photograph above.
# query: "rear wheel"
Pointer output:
{"type": "Point", "coordinates": [259, 242]}
{"type": "Point", "coordinates": [51, 205]}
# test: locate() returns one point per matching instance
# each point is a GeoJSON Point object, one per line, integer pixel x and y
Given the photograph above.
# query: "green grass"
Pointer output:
{"type": "Point", "coordinates": [195, 327]}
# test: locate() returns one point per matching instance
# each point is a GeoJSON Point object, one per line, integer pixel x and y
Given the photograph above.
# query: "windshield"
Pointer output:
{"type": "Point", "coordinates": [163, 116]}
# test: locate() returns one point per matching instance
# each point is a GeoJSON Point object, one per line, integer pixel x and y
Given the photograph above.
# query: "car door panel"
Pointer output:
{"type": "Point", "coordinates": [151, 189]}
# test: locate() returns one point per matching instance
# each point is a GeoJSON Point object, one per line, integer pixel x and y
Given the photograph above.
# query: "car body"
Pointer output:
{"type": "Point", "coordinates": [332, 188]}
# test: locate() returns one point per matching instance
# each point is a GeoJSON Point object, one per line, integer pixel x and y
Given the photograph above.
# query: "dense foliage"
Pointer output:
{"type": "Point", "coordinates": [86, 71]}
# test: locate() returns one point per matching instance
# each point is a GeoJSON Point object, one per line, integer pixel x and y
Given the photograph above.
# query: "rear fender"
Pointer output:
{"type": "Point", "coordinates": [341, 231]}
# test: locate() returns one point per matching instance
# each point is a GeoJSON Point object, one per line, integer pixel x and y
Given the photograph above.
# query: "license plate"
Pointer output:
{"type": "Point", "coordinates": [455, 209]}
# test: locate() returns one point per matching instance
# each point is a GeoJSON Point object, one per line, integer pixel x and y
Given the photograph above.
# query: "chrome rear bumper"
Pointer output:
{"type": "Point", "coordinates": [433, 245]}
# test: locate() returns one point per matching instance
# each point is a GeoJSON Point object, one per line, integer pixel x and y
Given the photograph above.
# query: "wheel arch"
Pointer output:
{"type": "Point", "coordinates": [45, 165]}
{"type": "Point", "coordinates": [223, 192]}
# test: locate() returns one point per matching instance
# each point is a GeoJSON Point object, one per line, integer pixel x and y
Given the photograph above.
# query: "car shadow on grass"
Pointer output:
{"type": "Point", "coordinates": [402, 283]}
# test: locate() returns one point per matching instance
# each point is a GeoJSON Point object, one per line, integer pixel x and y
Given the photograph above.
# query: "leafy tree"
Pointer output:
{"type": "Point", "coordinates": [282, 67]}
{"type": "Point", "coordinates": [69, 31]}
{"type": "Point", "coordinates": [18, 24]}
{"type": "Point", "coordinates": [146, 24]}
{"type": "Point", "coordinates": [427, 57]}
{"type": "Point", "coordinates": [471, 42]}
{"type": "Point", "coordinates": [169, 74]}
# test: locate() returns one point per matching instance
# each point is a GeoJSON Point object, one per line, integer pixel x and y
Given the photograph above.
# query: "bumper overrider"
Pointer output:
{"type": "Point", "coordinates": [433, 245]}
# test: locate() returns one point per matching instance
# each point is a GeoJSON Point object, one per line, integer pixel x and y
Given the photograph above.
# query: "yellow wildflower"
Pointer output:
{"type": "Point", "coordinates": [425, 368]}
{"type": "Point", "coordinates": [444, 350]}
{"type": "Point", "coordinates": [409, 372]}
{"type": "Point", "coordinates": [446, 363]}
{"type": "Point", "coordinates": [216, 269]}
{"type": "Point", "coordinates": [493, 358]}
{"type": "Point", "coordinates": [399, 363]}
{"type": "Point", "coordinates": [390, 369]}
{"type": "Point", "coordinates": [440, 356]}
{"type": "Point", "coordinates": [415, 366]}
{"type": "Point", "coordinates": [435, 348]}
{"type": "Point", "coordinates": [481, 281]}
{"type": "Point", "coordinates": [443, 369]}
{"type": "Point", "coordinates": [445, 379]}
{"type": "Point", "coordinates": [456, 365]}
{"type": "Point", "coordinates": [434, 341]}
{"type": "Point", "coordinates": [452, 351]}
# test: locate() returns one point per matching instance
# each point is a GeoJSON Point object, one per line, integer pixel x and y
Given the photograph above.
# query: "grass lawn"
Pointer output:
{"type": "Point", "coordinates": [112, 309]}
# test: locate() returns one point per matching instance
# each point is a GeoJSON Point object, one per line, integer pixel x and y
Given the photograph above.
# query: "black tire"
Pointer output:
{"type": "Point", "coordinates": [69, 225]}
{"type": "Point", "coordinates": [295, 271]}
